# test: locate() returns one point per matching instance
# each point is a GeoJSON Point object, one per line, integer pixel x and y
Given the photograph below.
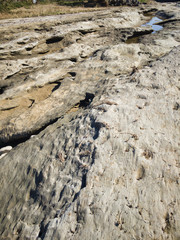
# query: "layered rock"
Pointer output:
{"type": "Point", "coordinates": [108, 168]}
{"type": "Point", "coordinates": [42, 61]}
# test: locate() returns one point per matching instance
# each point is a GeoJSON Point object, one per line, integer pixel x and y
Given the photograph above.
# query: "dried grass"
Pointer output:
{"type": "Point", "coordinates": [44, 10]}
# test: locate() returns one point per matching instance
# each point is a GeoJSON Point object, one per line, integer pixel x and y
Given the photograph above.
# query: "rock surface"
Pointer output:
{"type": "Point", "coordinates": [102, 115]}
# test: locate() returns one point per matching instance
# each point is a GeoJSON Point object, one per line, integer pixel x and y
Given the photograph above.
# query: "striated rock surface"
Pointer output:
{"type": "Point", "coordinates": [101, 109]}
{"type": "Point", "coordinates": [48, 60]}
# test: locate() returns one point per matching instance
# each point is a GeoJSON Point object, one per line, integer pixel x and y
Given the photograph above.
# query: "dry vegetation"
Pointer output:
{"type": "Point", "coordinates": [43, 10]}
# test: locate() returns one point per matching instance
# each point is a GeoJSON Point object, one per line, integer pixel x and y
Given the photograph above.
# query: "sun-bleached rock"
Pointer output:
{"type": "Point", "coordinates": [101, 124]}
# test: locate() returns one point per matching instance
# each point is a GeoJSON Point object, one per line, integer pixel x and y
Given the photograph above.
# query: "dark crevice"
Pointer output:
{"type": "Point", "coordinates": [56, 87]}
{"type": "Point", "coordinates": [88, 99]}
{"type": "Point", "coordinates": [84, 31]}
{"type": "Point", "coordinates": [61, 193]}
{"type": "Point", "coordinates": [97, 126]}
{"type": "Point", "coordinates": [43, 230]}
{"type": "Point", "coordinates": [136, 36]}
{"type": "Point", "coordinates": [34, 194]}
{"type": "Point", "coordinates": [93, 156]}
{"type": "Point", "coordinates": [43, 29]}
{"type": "Point", "coordinates": [2, 89]}
{"type": "Point", "coordinates": [54, 39]}
{"type": "Point", "coordinates": [73, 74]}
{"type": "Point", "coordinates": [29, 48]}
{"type": "Point", "coordinates": [83, 184]}
{"type": "Point", "coordinates": [28, 169]}
{"type": "Point", "coordinates": [73, 59]}
{"type": "Point", "coordinates": [95, 53]}
{"type": "Point", "coordinates": [170, 21]}
{"type": "Point", "coordinates": [7, 109]}
{"type": "Point", "coordinates": [38, 178]}
{"type": "Point", "coordinates": [32, 102]}
{"type": "Point", "coordinates": [76, 196]}
{"type": "Point", "coordinates": [21, 138]}
{"type": "Point", "coordinates": [9, 76]}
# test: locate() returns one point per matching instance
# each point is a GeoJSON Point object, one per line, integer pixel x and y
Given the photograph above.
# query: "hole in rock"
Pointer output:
{"type": "Point", "coordinates": [54, 39]}
{"type": "Point", "coordinates": [2, 89]}
{"type": "Point", "coordinates": [73, 59]}
{"type": "Point", "coordinates": [88, 99]}
{"type": "Point", "coordinates": [29, 48]}
{"type": "Point", "coordinates": [73, 74]}
{"type": "Point", "coordinates": [34, 194]}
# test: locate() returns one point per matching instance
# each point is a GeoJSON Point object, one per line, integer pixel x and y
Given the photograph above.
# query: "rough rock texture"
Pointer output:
{"type": "Point", "coordinates": [109, 167]}
{"type": "Point", "coordinates": [45, 64]}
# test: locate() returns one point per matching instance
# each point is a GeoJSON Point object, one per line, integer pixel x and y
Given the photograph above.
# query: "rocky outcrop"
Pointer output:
{"type": "Point", "coordinates": [102, 118]}
{"type": "Point", "coordinates": [51, 62]}
{"type": "Point", "coordinates": [38, 67]}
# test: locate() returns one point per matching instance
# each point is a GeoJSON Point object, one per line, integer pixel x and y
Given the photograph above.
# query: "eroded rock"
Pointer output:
{"type": "Point", "coordinates": [107, 164]}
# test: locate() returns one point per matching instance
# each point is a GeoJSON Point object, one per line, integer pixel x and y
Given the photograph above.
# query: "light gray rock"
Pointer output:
{"type": "Point", "coordinates": [43, 65]}
{"type": "Point", "coordinates": [109, 167]}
